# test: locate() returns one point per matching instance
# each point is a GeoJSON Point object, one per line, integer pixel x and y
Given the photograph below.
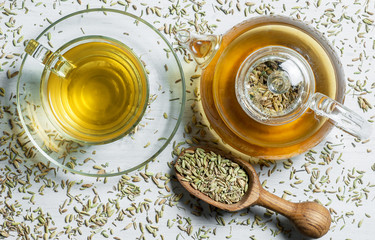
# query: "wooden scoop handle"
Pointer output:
{"type": "Point", "coordinates": [311, 218]}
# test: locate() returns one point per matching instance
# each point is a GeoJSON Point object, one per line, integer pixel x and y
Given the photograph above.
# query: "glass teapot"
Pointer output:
{"type": "Point", "coordinates": [272, 87]}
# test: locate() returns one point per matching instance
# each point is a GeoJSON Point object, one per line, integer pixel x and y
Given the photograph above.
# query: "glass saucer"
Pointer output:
{"type": "Point", "coordinates": [162, 115]}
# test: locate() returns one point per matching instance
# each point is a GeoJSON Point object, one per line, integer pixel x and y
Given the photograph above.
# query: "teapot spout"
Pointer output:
{"type": "Point", "coordinates": [202, 47]}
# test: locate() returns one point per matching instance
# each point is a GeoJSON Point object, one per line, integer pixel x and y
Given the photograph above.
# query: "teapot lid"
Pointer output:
{"type": "Point", "coordinates": [274, 85]}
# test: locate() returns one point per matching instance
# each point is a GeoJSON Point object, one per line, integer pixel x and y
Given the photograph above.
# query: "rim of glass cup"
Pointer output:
{"type": "Point", "coordinates": [168, 140]}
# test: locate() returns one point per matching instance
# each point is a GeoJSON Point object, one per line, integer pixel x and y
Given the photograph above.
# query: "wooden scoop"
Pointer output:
{"type": "Point", "coordinates": [311, 218]}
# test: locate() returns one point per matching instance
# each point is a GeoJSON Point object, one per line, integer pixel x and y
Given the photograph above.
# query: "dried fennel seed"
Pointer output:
{"type": "Point", "coordinates": [217, 177]}
{"type": "Point", "coordinates": [266, 101]}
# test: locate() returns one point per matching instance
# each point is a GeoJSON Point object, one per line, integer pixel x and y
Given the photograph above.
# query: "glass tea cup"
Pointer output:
{"type": "Point", "coordinates": [156, 96]}
{"type": "Point", "coordinates": [94, 89]}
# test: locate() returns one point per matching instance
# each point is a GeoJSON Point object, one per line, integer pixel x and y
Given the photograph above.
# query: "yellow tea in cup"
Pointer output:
{"type": "Point", "coordinates": [102, 98]}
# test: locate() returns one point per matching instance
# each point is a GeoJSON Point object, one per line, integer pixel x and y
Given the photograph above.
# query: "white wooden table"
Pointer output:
{"type": "Point", "coordinates": [346, 185]}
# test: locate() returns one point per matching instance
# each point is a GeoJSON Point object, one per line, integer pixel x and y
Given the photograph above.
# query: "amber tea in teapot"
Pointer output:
{"type": "Point", "coordinates": [290, 134]}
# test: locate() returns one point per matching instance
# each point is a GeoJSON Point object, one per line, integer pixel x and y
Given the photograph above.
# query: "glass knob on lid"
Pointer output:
{"type": "Point", "coordinates": [276, 85]}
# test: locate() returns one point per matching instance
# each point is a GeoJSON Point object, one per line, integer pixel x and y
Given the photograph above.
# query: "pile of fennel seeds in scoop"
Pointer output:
{"type": "Point", "coordinates": [217, 177]}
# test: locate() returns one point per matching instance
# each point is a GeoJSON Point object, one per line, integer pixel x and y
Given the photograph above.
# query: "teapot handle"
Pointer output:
{"type": "Point", "coordinates": [341, 116]}
{"type": "Point", "coordinates": [53, 61]}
